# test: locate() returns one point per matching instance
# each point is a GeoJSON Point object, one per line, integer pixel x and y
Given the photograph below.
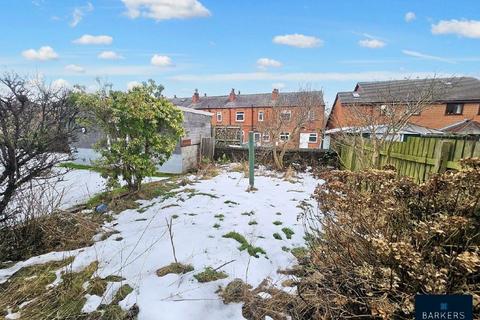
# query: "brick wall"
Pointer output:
{"type": "Point", "coordinates": [432, 117]}
{"type": "Point", "coordinates": [251, 120]}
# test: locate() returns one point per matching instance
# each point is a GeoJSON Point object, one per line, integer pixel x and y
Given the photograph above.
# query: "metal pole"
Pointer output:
{"type": "Point", "coordinates": [251, 158]}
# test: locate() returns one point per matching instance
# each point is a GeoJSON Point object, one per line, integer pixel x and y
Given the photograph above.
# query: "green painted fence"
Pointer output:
{"type": "Point", "coordinates": [417, 157]}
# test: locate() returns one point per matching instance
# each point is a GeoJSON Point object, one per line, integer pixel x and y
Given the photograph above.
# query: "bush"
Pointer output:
{"type": "Point", "coordinates": [377, 240]}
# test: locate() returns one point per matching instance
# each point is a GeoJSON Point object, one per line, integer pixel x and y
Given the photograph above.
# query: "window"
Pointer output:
{"type": "Point", "coordinates": [312, 138]}
{"type": "Point", "coordinates": [454, 108]}
{"type": "Point", "coordinates": [219, 117]}
{"type": "Point", "coordinates": [284, 136]}
{"type": "Point", "coordinates": [256, 137]}
{"type": "Point", "coordinates": [266, 137]}
{"type": "Point", "coordinates": [260, 116]}
{"type": "Point", "coordinates": [286, 115]}
{"type": "Point", "coordinates": [240, 116]}
{"type": "Point", "coordinates": [311, 115]}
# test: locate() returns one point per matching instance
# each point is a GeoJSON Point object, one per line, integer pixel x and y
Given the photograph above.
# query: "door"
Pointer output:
{"type": "Point", "coordinates": [304, 140]}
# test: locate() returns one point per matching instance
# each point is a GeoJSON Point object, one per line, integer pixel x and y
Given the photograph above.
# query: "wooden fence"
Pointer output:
{"type": "Point", "coordinates": [207, 148]}
{"type": "Point", "coordinates": [417, 157]}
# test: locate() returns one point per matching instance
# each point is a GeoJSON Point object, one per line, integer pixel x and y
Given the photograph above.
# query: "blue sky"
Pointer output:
{"type": "Point", "coordinates": [249, 45]}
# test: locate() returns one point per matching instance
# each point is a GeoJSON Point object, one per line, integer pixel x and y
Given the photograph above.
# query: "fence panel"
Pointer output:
{"type": "Point", "coordinates": [417, 157]}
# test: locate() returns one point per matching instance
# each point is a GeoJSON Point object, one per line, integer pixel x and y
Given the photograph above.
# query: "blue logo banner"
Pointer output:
{"type": "Point", "coordinates": [443, 307]}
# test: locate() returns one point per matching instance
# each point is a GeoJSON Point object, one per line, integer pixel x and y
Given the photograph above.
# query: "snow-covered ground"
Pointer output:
{"type": "Point", "coordinates": [142, 245]}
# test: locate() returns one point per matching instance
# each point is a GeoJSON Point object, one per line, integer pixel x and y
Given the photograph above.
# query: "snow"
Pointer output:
{"type": "Point", "coordinates": [145, 246]}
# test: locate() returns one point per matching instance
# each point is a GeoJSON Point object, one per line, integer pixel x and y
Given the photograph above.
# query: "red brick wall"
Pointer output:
{"type": "Point", "coordinates": [251, 120]}
{"type": "Point", "coordinates": [432, 117]}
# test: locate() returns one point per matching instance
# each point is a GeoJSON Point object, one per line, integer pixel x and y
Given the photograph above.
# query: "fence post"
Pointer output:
{"type": "Point", "coordinates": [442, 156]}
{"type": "Point", "coordinates": [251, 159]}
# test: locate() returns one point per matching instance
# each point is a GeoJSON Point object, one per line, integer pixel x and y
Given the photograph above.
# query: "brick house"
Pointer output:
{"type": "Point", "coordinates": [455, 100]}
{"type": "Point", "coordinates": [251, 111]}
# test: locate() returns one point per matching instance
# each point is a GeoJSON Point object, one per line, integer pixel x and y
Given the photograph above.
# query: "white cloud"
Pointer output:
{"type": "Point", "coordinates": [462, 28]}
{"type": "Point", "coordinates": [109, 55]}
{"type": "Point", "coordinates": [78, 14]}
{"type": "Point", "coordinates": [89, 39]}
{"type": "Point", "coordinates": [298, 40]}
{"type": "Point", "coordinates": [60, 84]}
{"type": "Point", "coordinates": [426, 56]}
{"type": "Point", "coordinates": [75, 68]}
{"type": "Point", "coordinates": [133, 84]}
{"type": "Point", "coordinates": [165, 9]}
{"type": "Point", "coordinates": [410, 16]}
{"type": "Point", "coordinates": [161, 61]}
{"type": "Point", "coordinates": [372, 43]}
{"type": "Point", "coordinates": [43, 54]}
{"type": "Point", "coordinates": [304, 76]}
{"type": "Point", "coordinates": [264, 63]}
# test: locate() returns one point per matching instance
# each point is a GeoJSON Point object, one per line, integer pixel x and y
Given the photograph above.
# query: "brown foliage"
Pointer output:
{"type": "Point", "coordinates": [378, 240]}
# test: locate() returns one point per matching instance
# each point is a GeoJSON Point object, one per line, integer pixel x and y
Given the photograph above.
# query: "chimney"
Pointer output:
{"type": "Point", "coordinates": [175, 96]}
{"type": "Point", "coordinates": [275, 94]}
{"type": "Point", "coordinates": [196, 97]}
{"type": "Point", "coordinates": [204, 94]}
{"type": "Point", "coordinates": [232, 96]}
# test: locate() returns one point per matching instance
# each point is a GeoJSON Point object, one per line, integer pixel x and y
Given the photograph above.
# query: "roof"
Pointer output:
{"type": "Point", "coordinates": [190, 110]}
{"type": "Point", "coordinates": [408, 129]}
{"type": "Point", "coordinates": [443, 89]}
{"type": "Point", "coordinates": [465, 126]}
{"type": "Point", "coordinates": [242, 100]}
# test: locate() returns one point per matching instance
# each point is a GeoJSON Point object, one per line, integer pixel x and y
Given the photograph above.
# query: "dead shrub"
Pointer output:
{"type": "Point", "coordinates": [378, 240]}
{"type": "Point", "coordinates": [54, 232]}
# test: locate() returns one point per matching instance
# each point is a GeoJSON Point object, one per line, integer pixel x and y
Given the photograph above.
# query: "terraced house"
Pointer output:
{"type": "Point", "coordinates": [450, 102]}
{"type": "Point", "coordinates": [254, 112]}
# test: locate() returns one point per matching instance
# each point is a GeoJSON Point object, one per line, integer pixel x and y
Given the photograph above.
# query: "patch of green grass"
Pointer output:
{"type": "Point", "coordinates": [286, 249]}
{"type": "Point", "coordinates": [299, 252]}
{"type": "Point", "coordinates": [209, 275]}
{"type": "Point", "coordinates": [77, 166]}
{"type": "Point", "coordinates": [231, 202]}
{"type": "Point", "coordinates": [122, 293]}
{"type": "Point", "coordinates": [252, 222]}
{"type": "Point", "coordinates": [118, 239]}
{"type": "Point", "coordinates": [277, 223]}
{"type": "Point", "coordinates": [220, 216]}
{"type": "Point", "coordinates": [278, 213]}
{"type": "Point", "coordinates": [192, 193]}
{"type": "Point", "coordinates": [174, 267]}
{"type": "Point", "coordinates": [248, 213]}
{"type": "Point", "coordinates": [175, 216]}
{"type": "Point", "coordinates": [288, 232]}
{"type": "Point", "coordinates": [216, 226]}
{"type": "Point", "coordinates": [145, 208]}
{"type": "Point", "coordinates": [141, 219]}
{"type": "Point", "coordinates": [113, 278]}
{"type": "Point", "coordinates": [252, 250]}
{"type": "Point", "coordinates": [192, 214]}
{"type": "Point", "coordinates": [120, 199]}
{"type": "Point", "coordinates": [277, 236]}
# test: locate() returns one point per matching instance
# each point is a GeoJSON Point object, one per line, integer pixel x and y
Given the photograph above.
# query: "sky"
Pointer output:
{"type": "Point", "coordinates": [250, 45]}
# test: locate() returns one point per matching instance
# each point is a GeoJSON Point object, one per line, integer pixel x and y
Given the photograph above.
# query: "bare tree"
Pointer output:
{"type": "Point", "coordinates": [37, 123]}
{"type": "Point", "coordinates": [386, 113]}
{"type": "Point", "coordinates": [290, 115]}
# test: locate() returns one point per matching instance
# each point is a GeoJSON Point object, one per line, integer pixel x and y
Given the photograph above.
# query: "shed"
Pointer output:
{"type": "Point", "coordinates": [197, 125]}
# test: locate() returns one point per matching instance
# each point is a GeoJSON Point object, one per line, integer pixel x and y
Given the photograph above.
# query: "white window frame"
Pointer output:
{"type": "Point", "coordinates": [311, 135]}
{"type": "Point", "coordinates": [237, 114]}
{"type": "Point", "coordinates": [261, 116]}
{"type": "Point", "coordinates": [266, 137]}
{"type": "Point", "coordinates": [285, 112]}
{"type": "Point", "coordinates": [219, 117]}
{"type": "Point", "coordinates": [284, 135]}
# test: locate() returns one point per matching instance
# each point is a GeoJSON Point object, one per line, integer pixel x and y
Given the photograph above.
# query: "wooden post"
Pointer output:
{"type": "Point", "coordinates": [251, 159]}
{"type": "Point", "coordinates": [442, 156]}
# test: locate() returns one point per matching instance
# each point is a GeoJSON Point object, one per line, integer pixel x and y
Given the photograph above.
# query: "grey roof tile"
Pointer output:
{"type": "Point", "coordinates": [443, 89]}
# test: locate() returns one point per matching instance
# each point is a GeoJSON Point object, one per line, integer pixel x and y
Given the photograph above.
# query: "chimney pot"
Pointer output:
{"type": "Point", "coordinates": [196, 97]}
{"type": "Point", "coordinates": [232, 96]}
{"type": "Point", "coordinates": [275, 94]}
